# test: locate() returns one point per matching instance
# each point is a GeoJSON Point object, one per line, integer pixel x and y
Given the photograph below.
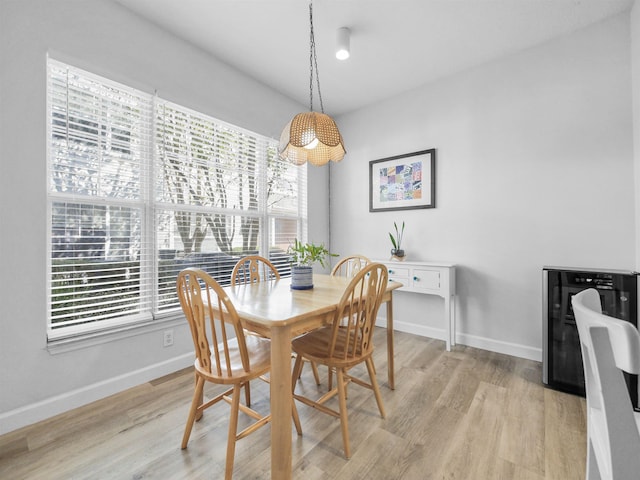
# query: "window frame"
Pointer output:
{"type": "Point", "coordinates": [151, 317]}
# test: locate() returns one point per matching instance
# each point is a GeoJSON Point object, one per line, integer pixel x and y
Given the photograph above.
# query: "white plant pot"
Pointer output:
{"type": "Point", "coordinates": [301, 277]}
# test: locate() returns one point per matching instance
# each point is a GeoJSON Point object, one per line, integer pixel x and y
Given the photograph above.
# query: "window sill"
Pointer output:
{"type": "Point", "coordinates": [87, 340]}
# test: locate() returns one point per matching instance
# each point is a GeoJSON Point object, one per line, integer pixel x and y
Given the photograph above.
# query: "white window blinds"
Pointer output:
{"type": "Point", "coordinates": [141, 188]}
{"type": "Point", "coordinates": [100, 141]}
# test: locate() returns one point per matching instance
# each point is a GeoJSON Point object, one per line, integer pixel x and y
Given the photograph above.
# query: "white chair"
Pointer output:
{"type": "Point", "coordinates": [609, 346]}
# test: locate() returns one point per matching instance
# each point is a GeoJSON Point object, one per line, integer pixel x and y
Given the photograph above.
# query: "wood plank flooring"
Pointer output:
{"type": "Point", "coordinates": [468, 414]}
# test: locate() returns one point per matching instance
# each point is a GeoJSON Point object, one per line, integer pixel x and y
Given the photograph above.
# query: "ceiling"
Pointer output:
{"type": "Point", "coordinates": [396, 45]}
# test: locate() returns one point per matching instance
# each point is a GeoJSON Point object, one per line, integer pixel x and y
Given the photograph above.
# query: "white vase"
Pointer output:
{"type": "Point", "coordinates": [301, 277]}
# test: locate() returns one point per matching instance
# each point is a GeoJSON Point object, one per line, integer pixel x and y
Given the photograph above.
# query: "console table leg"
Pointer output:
{"type": "Point", "coordinates": [447, 316]}
{"type": "Point", "coordinates": [390, 342]}
{"type": "Point", "coordinates": [453, 319]}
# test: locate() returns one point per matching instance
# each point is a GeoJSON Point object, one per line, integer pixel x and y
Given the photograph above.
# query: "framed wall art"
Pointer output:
{"type": "Point", "coordinates": [403, 182]}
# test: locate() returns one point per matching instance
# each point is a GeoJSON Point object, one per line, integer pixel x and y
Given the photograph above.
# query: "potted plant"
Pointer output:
{"type": "Point", "coordinates": [303, 256]}
{"type": "Point", "coordinates": [396, 252]}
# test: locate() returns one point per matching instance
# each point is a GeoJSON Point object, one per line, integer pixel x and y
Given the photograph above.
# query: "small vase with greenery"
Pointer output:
{"type": "Point", "coordinates": [303, 256]}
{"type": "Point", "coordinates": [396, 240]}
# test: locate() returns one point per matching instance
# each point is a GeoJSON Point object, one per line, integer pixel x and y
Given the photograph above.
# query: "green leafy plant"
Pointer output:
{"type": "Point", "coordinates": [308, 253]}
{"type": "Point", "coordinates": [396, 240]}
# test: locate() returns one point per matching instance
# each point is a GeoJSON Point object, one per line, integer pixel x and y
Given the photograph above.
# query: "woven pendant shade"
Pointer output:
{"type": "Point", "coordinates": [312, 137]}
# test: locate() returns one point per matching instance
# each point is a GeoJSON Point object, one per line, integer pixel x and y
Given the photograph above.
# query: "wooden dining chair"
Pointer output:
{"type": "Point", "coordinates": [253, 268]}
{"type": "Point", "coordinates": [609, 346]}
{"type": "Point", "coordinates": [224, 355]}
{"type": "Point", "coordinates": [349, 266]}
{"type": "Point", "coordinates": [346, 342]}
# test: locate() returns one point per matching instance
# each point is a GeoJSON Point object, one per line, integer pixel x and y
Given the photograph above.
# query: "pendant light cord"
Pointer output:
{"type": "Point", "coordinates": [313, 62]}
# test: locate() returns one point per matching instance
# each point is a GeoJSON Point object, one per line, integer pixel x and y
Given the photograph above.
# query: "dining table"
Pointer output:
{"type": "Point", "coordinates": [274, 310]}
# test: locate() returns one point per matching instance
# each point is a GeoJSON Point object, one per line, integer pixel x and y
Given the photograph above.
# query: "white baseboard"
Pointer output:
{"type": "Point", "coordinates": [47, 408]}
{"type": "Point", "coordinates": [498, 346]}
{"type": "Point", "coordinates": [23, 416]}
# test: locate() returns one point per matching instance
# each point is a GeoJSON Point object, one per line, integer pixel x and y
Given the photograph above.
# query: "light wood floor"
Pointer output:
{"type": "Point", "coordinates": [466, 414]}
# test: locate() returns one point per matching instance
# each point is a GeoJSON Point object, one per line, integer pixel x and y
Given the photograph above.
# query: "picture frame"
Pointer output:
{"type": "Point", "coordinates": [403, 182]}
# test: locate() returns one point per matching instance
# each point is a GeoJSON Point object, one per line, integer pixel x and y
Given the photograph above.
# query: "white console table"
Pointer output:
{"type": "Point", "coordinates": [429, 278]}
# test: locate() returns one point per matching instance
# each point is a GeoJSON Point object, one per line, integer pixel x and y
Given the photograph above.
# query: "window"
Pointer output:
{"type": "Point", "coordinates": [140, 188]}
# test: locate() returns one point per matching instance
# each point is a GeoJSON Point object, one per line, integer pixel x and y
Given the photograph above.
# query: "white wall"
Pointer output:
{"type": "Point", "coordinates": [534, 167]}
{"type": "Point", "coordinates": [106, 39]}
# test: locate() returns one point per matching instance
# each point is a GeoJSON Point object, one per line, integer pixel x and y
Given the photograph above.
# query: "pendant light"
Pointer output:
{"type": "Point", "coordinates": [343, 43]}
{"type": "Point", "coordinates": [312, 136]}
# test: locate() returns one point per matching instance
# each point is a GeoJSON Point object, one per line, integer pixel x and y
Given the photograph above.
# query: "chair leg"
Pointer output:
{"type": "Point", "coordinates": [330, 381]}
{"type": "Point", "coordinates": [197, 400]}
{"type": "Point", "coordinates": [314, 368]}
{"type": "Point", "coordinates": [296, 418]}
{"type": "Point", "coordinates": [344, 422]}
{"type": "Point", "coordinates": [247, 394]}
{"type": "Point", "coordinates": [200, 399]}
{"type": "Point", "coordinates": [233, 428]}
{"type": "Point", "coordinates": [374, 384]}
{"type": "Point", "coordinates": [297, 370]}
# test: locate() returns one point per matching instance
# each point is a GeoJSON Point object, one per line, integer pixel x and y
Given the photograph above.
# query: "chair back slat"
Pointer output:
{"type": "Point", "coordinates": [213, 320]}
{"type": "Point", "coordinates": [356, 314]}
{"type": "Point", "coordinates": [253, 268]}
{"type": "Point", "coordinates": [214, 333]}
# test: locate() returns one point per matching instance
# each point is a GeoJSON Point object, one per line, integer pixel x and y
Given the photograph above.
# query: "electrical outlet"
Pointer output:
{"type": "Point", "coordinates": [168, 338]}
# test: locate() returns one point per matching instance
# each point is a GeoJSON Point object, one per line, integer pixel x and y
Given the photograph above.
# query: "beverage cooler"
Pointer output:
{"type": "Point", "coordinates": [561, 356]}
